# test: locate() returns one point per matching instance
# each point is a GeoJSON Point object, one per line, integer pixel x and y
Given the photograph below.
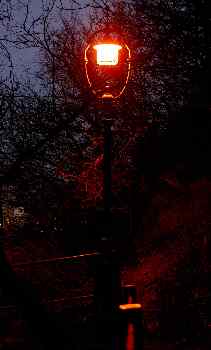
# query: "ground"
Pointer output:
{"type": "Point", "coordinates": [170, 271]}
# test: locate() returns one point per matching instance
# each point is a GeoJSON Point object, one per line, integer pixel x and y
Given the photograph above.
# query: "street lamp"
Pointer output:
{"type": "Point", "coordinates": [107, 67]}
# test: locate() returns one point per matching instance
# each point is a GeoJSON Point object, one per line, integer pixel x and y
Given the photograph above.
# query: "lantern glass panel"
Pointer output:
{"type": "Point", "coordinates": [107, 54]}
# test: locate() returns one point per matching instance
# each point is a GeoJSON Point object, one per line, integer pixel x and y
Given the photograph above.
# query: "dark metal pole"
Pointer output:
{"type": "Point", "coordinates": [107, 273]}
{"type": "Point", "coordinates": [107, 177]}
{"type": "Point", "coordinates": [108, 276]}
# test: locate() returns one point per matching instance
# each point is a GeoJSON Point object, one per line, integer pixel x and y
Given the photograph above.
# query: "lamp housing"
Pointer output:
{"type": "Point", "coordinates": [107, 66]}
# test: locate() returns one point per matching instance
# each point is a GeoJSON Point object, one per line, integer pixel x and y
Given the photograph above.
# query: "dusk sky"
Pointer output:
{"type": "Point", "coordinates": [26, 60]}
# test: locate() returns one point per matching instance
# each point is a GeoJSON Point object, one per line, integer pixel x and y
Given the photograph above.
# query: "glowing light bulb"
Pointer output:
{"type": "Point", "coordinates": [107, 54]}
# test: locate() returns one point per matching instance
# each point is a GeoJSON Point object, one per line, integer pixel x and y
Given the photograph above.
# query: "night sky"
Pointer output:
{"type": "Point", "coordinates": [26, 60]}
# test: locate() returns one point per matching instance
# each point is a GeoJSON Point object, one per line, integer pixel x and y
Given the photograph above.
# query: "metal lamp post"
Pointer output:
{"type": "Point", "coordinates": [107, 67]}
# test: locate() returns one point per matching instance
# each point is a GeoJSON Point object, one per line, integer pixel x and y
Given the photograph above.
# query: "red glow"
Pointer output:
{"type": "Point", "coordinates": [129, 306]}
{"type": "Point", "coordinates": [130, 341]}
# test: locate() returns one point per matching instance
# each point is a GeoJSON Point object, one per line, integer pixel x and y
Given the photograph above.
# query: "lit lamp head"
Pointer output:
{"type": "Point", "coordinates": [107, 54]}
{"type": "Point", "coordinates": [107, 68]}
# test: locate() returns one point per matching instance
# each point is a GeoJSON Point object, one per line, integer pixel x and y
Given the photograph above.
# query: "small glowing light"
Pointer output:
{"type": "Point", "coordinates": [107, 54]}
{"type": "Point", "coordinates": [129, 306]}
